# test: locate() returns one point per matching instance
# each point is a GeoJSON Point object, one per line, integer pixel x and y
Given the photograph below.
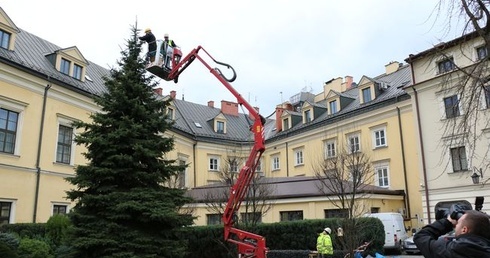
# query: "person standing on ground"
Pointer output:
{"type": "Point", "coordinates": [324, 243]}
{"type": "Point", "coordinates": [472, 236]}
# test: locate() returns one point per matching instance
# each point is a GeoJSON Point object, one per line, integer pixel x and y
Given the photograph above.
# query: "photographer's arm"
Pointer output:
{"type": "Point", "coordinates": [427, 238]}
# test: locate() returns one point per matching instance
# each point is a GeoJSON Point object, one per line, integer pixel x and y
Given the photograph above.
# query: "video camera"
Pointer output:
{"type": "Point", "coordinates": [457, 209]}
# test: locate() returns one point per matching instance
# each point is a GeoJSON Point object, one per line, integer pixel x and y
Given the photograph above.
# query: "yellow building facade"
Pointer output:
{"type": "Point", "coordinates": [44, 88]}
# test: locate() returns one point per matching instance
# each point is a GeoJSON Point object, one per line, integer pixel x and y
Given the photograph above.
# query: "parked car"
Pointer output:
{"type": "Point", "coordinates": [409, 246]}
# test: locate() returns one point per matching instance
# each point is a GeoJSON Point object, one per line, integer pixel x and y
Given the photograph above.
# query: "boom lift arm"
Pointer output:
{"type": "Point", "coordinates": [249, 244]}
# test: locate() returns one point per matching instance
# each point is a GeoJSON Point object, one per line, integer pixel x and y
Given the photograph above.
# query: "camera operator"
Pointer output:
{"type": "Point", "coordinates": [472, 236]}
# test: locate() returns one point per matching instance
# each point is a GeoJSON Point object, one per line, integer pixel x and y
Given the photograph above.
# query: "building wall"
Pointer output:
{"type": "Point", "coordinates": [428, 95]}
{"type": "Point", "coordinates": [20, 169]}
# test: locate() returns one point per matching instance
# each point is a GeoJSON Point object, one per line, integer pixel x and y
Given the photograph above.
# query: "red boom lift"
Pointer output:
{"type": "Point", "coordinates": [249, 244]}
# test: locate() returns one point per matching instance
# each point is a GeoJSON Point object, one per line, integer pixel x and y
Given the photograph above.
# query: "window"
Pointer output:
{"type": "Point", "coordinates": [336, 213]}
{"type": "Point", "coordinates": [481, 52]}
{"type": "Point", "coordinates": [333, 107]}
{"type": "Point", "coordinates": [60, 209]}
{"type": "Point", "coordinates": [330, 149]}
{"type": "Point", "coordinates": [259, 166]}
{"type": "Point", "coordinates": [170, 113]}
{"type": "Point", "coordinates": [220, 127]}
{"type": "Point", "coordinates": [354, 145]}
{"type": "Point", "coordinates": [8, 130]}
{"type": "Point", "coordinates": [65, 66]}
{"type": "Point", "coordinates": [298, 157]}
{"type": "Point", "coordinates": [366, 95]}
{"type": "Point", "coordinates": [213, 164]}
{"type": "Point", "coordinates": [77, 72]}
{"type": "Point", "coordinates": [285, 123]}
{"type": "Point", "coordinates": [375, 209]}
{"type": "Point", "coordinates": [181, 175]}
{"type": "Point", "coordinates": [451, 106]}
{"type": "Point", "coordinates": [275, 163]}
{"type": "Point", "coordinates": [291, 215]}
{"type": "Point", "coordinates": [379, 138]}
{"type": "Point", "coordinates": [251, 217]}
{"type": "Point", "coordinates": [446, 65]}
{"type": "Point", "coordinates": [458, 157]}
{"type": "Point", "coordinates": [4, 39]}
{"type": "Point", "coordinates": [5, 212]}
{"type": "Point", "coordinates": [307, 116]}
{"type": "Point", "coordinates": [382, 176]}
{"type": "Point", "coordinates": [233, 165]}
{"type": "Point", "coordinates": [213, 219]}
{"type": "Point", "coordinates": [487, 95]}
{"type": "Point", "coordinates": [63, 152]}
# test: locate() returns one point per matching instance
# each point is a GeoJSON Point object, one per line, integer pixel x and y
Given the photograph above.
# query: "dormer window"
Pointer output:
{"type": "Point", "coordinates": [366, 95]}
{"type": "Point", "coordinates": [170, 113]}
{"type": "Point", "coordinates": [65, 66]}
{"type": "Point", "coordinates": [481, 52]}
{"type": "Point", "coordinates": [307, 116]}
{"type": "Point", "coordinates": [77, 72]}
{"type": "Point", "coordinates": [446, 65]}
{"type": "Point", "coordinates": [220, 127]}
{"type": "Point", "coordinates": [333, 107]}
{"type": "Point", "coordinates": [285, 123]}
{"type": "Point", "coordinates": [4, 39]}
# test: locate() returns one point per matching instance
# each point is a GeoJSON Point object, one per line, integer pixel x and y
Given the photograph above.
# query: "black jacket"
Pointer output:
{"type": "Point", "coordinates": [151, 40]}
{"type": "Point", "coordinates": [464, 245]}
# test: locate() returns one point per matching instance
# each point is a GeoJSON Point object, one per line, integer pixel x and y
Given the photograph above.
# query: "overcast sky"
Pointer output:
{"type": "Point", "coordinates": [277, 47]}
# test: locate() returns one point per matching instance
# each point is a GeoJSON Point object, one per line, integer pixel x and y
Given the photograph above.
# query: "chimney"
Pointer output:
{"type": "Point", "coordinates": [211, 103]}
{"type": "Point", "coordinates": [229, 108]}
{"type": "Point", "coordinates": [347, 84]}
{"type": "Point", "coordinates": [279, 111]}
{"type": "Point", "coordinates": [173, 94]}
{"type": "Point", "coordinates": [158, 91]}
{"type": "Point", "coordinates": [392, 67]}
{"type": "Point", "coordinates": [251, 116]}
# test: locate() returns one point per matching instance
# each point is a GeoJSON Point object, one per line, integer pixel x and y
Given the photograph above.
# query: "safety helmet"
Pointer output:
{"type": "Point", "coordinates": [147, 30]}
{"type": "Point", "coordinates": [166, 35]}
{"type": "Point", "coordinates": [328, 230]}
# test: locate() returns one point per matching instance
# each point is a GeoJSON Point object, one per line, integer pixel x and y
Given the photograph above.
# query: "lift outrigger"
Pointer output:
{"type": "Point", "coordinates": [168, 65]}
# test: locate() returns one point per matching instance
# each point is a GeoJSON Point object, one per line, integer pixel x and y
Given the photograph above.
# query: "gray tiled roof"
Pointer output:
{"type": "Point", "coordinates": [30, 55]}
{"type": "Point", "coordinates": [285, 187]}
{"type": "Point", "coordinates": [396, 81]}
{"type": "Point", "coordinates": [237, 127]}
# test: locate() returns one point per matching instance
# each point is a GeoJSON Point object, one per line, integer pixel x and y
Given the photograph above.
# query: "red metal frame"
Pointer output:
{"type": "Point", "coordinates": [249, 244]}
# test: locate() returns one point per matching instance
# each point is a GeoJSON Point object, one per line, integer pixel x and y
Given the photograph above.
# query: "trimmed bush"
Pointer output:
{"type": "Point", "coordinates": [57, 228]}
{"type": "Point", "coordinates": [33, 248]}
{"type": "Point", "coordinates": [9, 239]}
{"type": "Point", "coordinates": [7, 252]}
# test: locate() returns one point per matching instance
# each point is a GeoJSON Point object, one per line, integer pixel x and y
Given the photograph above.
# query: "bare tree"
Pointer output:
{"type": "Point", "coordinates": [258, 201]}
{"type": "Point", "coordinates": [345, 180]}
{"type": "Point", "coordinates": [471, 83]}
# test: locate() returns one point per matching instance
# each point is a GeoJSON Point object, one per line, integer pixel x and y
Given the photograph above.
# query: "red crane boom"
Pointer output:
{"type": "Point", "coordinates": [249, 244]}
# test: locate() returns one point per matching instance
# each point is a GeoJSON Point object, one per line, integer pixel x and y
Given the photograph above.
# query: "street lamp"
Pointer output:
{"type": "Point", "coordinates": [476, 177]}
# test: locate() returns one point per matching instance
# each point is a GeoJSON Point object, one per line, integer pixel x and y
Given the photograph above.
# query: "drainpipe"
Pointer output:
{"type": "Point", "coordinates": [287, 160]}
{"type": "Point", "coordinates": [407, 199]}
{"type": "Point", "coordinates": [38, 158]}
{"type": "Point", "coordinates": [194, 161]}
{"type": "Point", "coordinates": [422, 153]}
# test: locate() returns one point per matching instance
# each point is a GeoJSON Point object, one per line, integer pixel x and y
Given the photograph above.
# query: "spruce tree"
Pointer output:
{"type": "Point", "coordinates": [122, 207]}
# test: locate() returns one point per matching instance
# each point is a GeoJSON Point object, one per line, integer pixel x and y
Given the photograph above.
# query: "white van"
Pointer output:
{"type": "Point", "coordinates": [395, 231]}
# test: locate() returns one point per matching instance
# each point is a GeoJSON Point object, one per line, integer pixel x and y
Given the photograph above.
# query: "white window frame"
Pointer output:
{"type": "Point", "coordinates": [13, 205]}
{"type": "Point", "coordinates": [330, 147]}
{"type": "Point", "coordinates": [18, 107]}
{"type": "Point", "coordinates": [217, 159]}
{"type": "Point", "coordinates": [358, 143]}
{"type": "Point", "coordinates": [67, 204]}
{"type": "Point", "coordinates": [384, 168]}
{"type": "Point", "coordinates": [275, 163]}
{"type": "Point", "coordinates": [465, 159]}
{"type": "Point", "coordinates": [65, 121]}
{"type": "Point", "coordinates": [332, 106]}
{"type": "Point", "coordinates": [298, 157]}
{"type": "Point", "coordinates": [377, 137]}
